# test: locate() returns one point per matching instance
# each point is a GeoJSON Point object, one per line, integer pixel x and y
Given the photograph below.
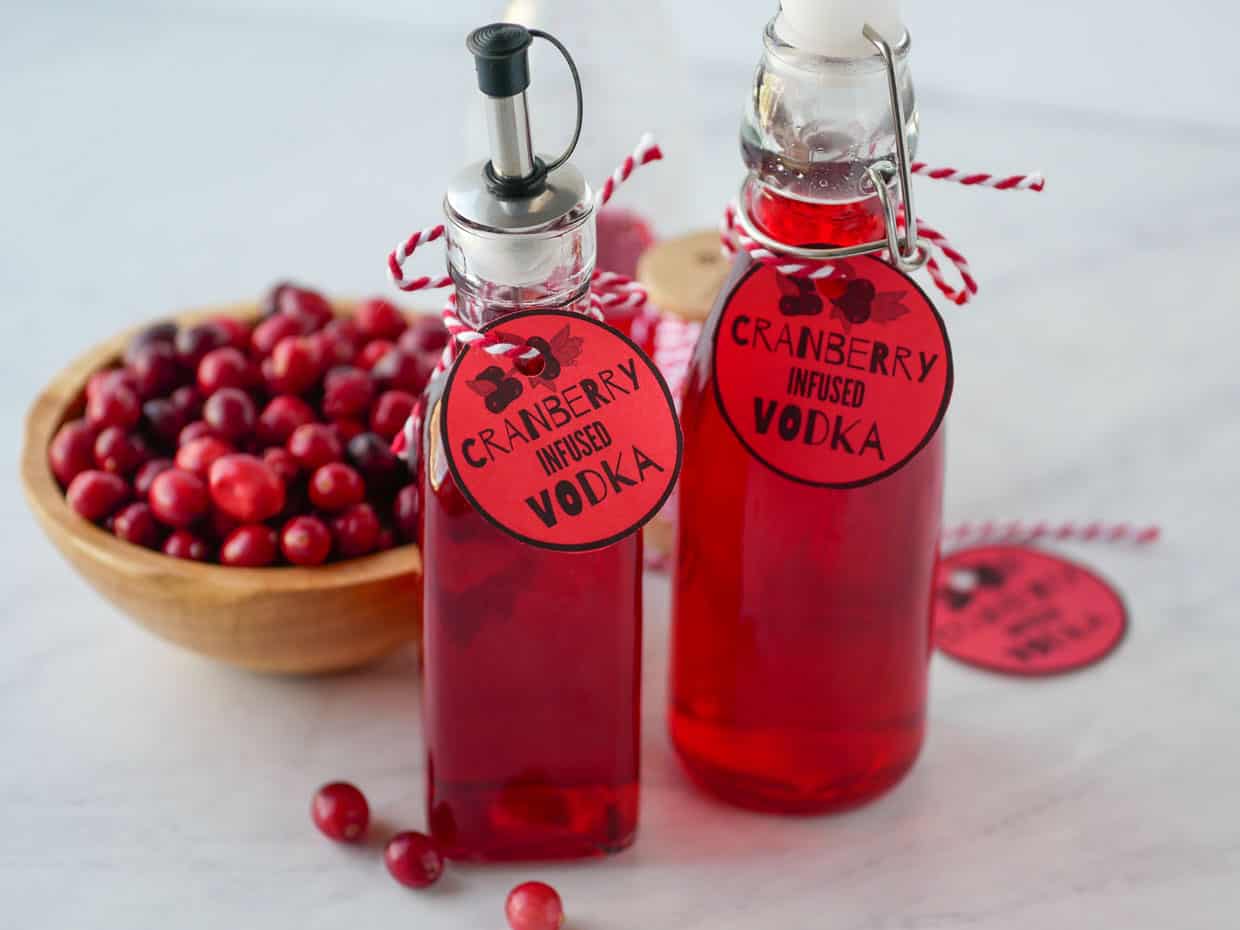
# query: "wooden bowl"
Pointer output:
{"type": "Point", "coordinates": [284, 619]}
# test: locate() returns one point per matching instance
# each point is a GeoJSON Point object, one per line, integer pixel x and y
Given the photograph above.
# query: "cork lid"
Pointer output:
{"type": "Point", "coordinates": [683, 275]}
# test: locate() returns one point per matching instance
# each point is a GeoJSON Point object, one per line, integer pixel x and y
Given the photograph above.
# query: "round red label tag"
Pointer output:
{"type": "Point", "coordinates": [835, 381]}
{"type": "Point", "coordinates": [1022, 611]}
{"type": "Point", "coordinates": [575, 457]}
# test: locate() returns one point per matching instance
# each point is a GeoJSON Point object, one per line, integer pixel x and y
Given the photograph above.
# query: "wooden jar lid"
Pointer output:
{"type": "Point", "coordinates": [683, 275]}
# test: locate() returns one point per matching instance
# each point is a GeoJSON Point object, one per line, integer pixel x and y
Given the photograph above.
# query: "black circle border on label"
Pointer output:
{"type": "Point", "coordinates": [541, 544]}
{"type": "Point", "coordinates": [1125, 616]}
{"type": "Point", "coordinates": [834, 485]}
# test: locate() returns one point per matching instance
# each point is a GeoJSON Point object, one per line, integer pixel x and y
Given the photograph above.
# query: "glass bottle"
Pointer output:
{"type": "Point", "coordinates": [801, 624]}
{"type": "Point", "coordinates": [531, 656]}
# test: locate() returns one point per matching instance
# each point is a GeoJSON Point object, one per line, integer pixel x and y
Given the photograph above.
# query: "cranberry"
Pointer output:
{"type": "Point", "coordinates": [310, 308]}
{"type": "Point", "coordinates": [622, 237]}
{"type": "Point", "coordinates": [251, 546]}
{"type": "Point", "coordinates": [333, 348]}
{"type": "Point", "coordinates": [306, 541]}
{"type": "Point", "coordinates": [295, 365]}
{"type": "Point", "coordinates": [183, 544]}
{"type": "Point", "coordinates": [188, 401]}
{"type": "Point", "coordinates": [230, 412]}
{"type": "Point", "coordinates": [178, 497]}
{"type": "Point", "coordinates": [425, 335]}
{"type": "Point", "coordinates": [163, 419]}
{"type": "Point", "coordinates": [155, 334]}
{"type": "Point", "coordinates": [534, 906]}
{"type": "Point", "coordinates": [314, 444]}
{"type": "Point", "coordinates": [347, 392]}
{"type": "Point", "coordinates": [199, 455]}
{"type": "Point", "coordinates": [246, 488]}
{"type": "Point", "coordinates": [390, 412]}
{"type": "Point", "coordinates": [344, 328]}
{"type": "Point", "coordinates": [402, 371]}
{"type": "Point", "coordinates": [280, 417]}
{"type": "Point", "coordinates": [385, 540]}
{"type": "Point", "coordinates": [118, 452]}
{"type": "Point", "coordinates": [148, 473]}
{"type": "Point", "coordinates": [154, 368]}
{"type": "Point", "coordinates": [374, 459]}
{"type": "Point", "coordinates": [407, 511]}
{"type": "Point", "coordinates": [346, 429]}
{"type": "Point", "coordinates": [356, 530]}
{"type": "Point", "coordinates": [335, 486]}
{"type": "Point", "coordinates": [271, 300]}
{"type": "Point", "coordinates": [373, 351]}
{"type": "Point", "coordinates": [238, 331]}
{"type": "Point", "coordinates": [109, 378]}
{"type": "Point", "coordinates": [113, 404]}
{"type": "Point", "coordinates": [136, 524]}
{"type": "Point", "coordinates": [194, 342]}
{"type": "Point", "coordinates": [193, 431]}
{"type": "Point", "coordinates": [379, 319]}
{"type": "Point", "coordinates": [340, 812]}
{"type": "Point", "coordinates": [72, 451]}
{"type": "Point", "coordinates": [413, 859]}
{"type": "Point", "coordinates": [271, 330]}
{"type": "Point", "coordinates": [224, 368]}
{"type": "Point", "coordinates": [281, 461]}
{"type": "Point", "coordinates": [96, 494]}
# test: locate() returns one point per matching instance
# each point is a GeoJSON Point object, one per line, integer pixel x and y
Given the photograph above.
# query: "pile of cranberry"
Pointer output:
{"type": "Point", "coordinates": [255, 445]}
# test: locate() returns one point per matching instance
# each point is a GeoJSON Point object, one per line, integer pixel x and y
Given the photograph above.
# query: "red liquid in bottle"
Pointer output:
{"type": "Point", "coordinates": [531, 695]}
{"type": "Point", "coordinates": [801, 636]}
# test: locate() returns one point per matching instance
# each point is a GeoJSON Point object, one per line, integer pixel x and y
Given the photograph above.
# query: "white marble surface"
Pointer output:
{"type": "Point", "coordinates": [155, 157]}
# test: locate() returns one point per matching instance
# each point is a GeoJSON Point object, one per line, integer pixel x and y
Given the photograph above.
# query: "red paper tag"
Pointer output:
{"type": "Point", "coordinates": [836, 381]}
{"type": "Point", "coordinates": [575, 457]}
{"type": "Point", "coordinates": [1022, 611]}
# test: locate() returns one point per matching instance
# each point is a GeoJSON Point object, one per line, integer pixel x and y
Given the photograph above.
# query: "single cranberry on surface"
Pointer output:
{"type": "Point", "coordinates": [340, 812]}
{"type": "Point", "coordinates": [281, 461]}
{"type": "Point", "coordinates": [148, 473]}
{"type": "Point", "coordinates": [188, 401]}
{"type": "Point", "coordinates": [96, 494]}
{"type": "Point", "coordinates": [224, 368]}
{"type": "Point", "coordinates": [178, 497]}
{"type": "Point", "coordinates": [163, 420]}
{"type": "Point", "coordinates": [182, 544]}
{"type": "Point", "coordinates": [155, 369]}
{"type": "Point", "coordinates": [425, 335]}
{"type": "Point", "coordinates": [403, 372]}
{"type": "Point", "coordinates": [119, 452]}
{"type": "Point", "coordinates": [294, 366]}
{"type": "Point", "coordinates": [271, 330]}
{"type": "Point", "coordinates": [136, 524]}
{"type": "Point", "coordinates": [198, 455]}
{"type": "Point", "coordinates": [406, 511]}
{"type": "Point", "coordinates": [534, 906]}
{"type": "Point", "coordinates": [313, 445]}
{"type": "Point", "coordinates": [230, 412]}
{"type": "Point", "coordinates": [379, 319]}
{"type": "Point", "coordinates": [310, 308]}
{"type": "Point", "coordinates": [373, 351]}
{"type": "Point", "coordinates": [347, 392]}
{"type": "Point", "coordinates": [371, 454]}
{"type": "Point", "coordinates": [335, 486]}
{"type": "Point", "coordinates": [306, 540]}
{"type": "Point", "coordinates": [390, 412]}
{"type": "Point", "coordinates": [72, 451]}
{"type": "Point", "coordinates": [250, 546]}
{"type": "Point", "coordinates": [246, 488]}
{"type": "Point", "coordinates": [113, 404]}
{"type": "Point", "coordinates": [193, 342]}
{"type": "Point", "coordinates": [413, 859]}
{"type": "Point", "coordinates": [283, 414]}
{"type": "Point", "coordinates": [356, 531]}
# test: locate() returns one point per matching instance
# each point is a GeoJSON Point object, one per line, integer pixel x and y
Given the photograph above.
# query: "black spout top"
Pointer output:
{"type": "Point", "coordinates": [501, 55]}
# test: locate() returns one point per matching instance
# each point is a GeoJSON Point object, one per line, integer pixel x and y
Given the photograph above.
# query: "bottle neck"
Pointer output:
{"type": "Point", "coordinates": [481, 302]}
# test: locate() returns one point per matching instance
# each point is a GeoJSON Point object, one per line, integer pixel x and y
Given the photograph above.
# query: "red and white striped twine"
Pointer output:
{"type": "Point", "coordinates": [1033, 181]}
{"type": "Point", "coordinates": [1016, 531]}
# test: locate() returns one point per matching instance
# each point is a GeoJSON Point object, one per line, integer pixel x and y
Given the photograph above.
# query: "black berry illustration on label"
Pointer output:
{"type": "Point", "coordinates": [497, 388]}
{"type": "Point", "coordinates": [799, 298]}
{"type": "Point", "coordinates": [558, 353]}
{"type": "Point", "coordinates": [856, 301]}
{"type": "Point", "coordinates": [959, 593]}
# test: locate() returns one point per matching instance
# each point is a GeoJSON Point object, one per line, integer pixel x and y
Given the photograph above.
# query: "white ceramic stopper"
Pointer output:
{"type": "Point", "coordinates": [833, 27]}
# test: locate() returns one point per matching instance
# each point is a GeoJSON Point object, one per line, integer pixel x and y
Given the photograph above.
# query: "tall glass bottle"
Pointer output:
{"type": "Point", "coordinates": [531, 656]}
{"type": "Point", "coordinates": [801, 635]}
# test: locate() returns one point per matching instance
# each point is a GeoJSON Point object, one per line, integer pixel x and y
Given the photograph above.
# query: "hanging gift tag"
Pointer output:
{"type": "Point", "coordinates": [1021, 611]}
{"type": "Point", "coordinates": [834, 381]}
{"type": "Point", "coordinates": [574, 452]}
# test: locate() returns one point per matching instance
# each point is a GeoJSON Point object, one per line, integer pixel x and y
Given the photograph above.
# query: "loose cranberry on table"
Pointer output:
{"type": "Point", "coordinates": [281, 461]}
{"type": "Point", "coordinates": [113, 404]}
{"type": "Point", "coordinates": [183, 544]}
{"type": "Point", "coordinates": [163, 419]}
{"type": "Point", "coordinates": [136, 524]}
{"type": "Point", "coordinates": [340, 812]}
{"type": "Point", "coordinates": [148, 473]}
{"type": "Point", "coordinates": [413, 859]}
{"type": "Point", "coordinates": [335, 486]}
{"type": "Point", "coordinates": [407, 511]}
{"type": "Point", "coordinates": [534, 906]}
{"type": "Point", "coordinates": [425, 335]}
{"type": "Point", "coordinates": [97, 494]}
{"type": "Point", "coordinates": [119, 452]}
{"type": "Point", "coordinates": [372, 352]}
{"type": "Point", "coordinates": [294, 366]}
{"type": "Point", "coordinates": [390, 412]}
{"type": "Point", "coordinates": [224, 368]}
{"type": "Point", "coordinates": [246, 488]}
{"type": "Point", "coordinates": [72, 451]}
{"type": "Point", "coordinates": [306, 540]}
{"type": "Point", "coordinates": [379, 319]}
{"type": "Point", "coordinates": [178, 497]}
{"type": "Point", "coordinates": [230, 412]}
{"type": "Point", "coordinates": [356, 531]}
{"type": "Point", "coordinates": [250, 546]}
{"type": "Point", "coordinates": [193, 342]}
{"type": "Point", "coordinates": [155, 369]}
{"type": "Point", "coordinates": [313, 445]}
{"type": "Point", "coordinates": [401, 371]}
{"type": "Point", "coordinates": [198, 455]}
{"type": "Point", "coordinates": [347, 392]}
